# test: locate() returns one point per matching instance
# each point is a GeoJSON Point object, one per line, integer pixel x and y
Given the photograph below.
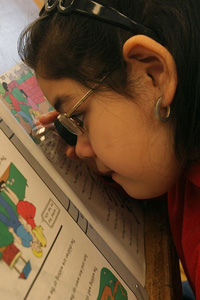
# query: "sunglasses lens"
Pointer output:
{"type": "Point", "coordinates": [64, 4]}
{"type": "Point", "coordinates": [50, 4]}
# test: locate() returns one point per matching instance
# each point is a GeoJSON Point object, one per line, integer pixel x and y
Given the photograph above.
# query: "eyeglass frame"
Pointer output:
{"type": "Point", "coordinates": [99, 11]}
{"type": "Point", "coordinates": [65, 118]}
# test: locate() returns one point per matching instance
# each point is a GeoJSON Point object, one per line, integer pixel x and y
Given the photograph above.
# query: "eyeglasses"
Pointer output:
{"type": "Point", "coordinates": [96, 10]}
{"type": "Point", "coordinates": [75, 124]}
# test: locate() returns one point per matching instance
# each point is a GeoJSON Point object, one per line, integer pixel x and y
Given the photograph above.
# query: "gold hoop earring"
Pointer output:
{"type": "Point", "coordinates": [158, 113]}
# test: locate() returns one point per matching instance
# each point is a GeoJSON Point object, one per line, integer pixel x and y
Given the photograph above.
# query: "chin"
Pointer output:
{"type": "Point", "coordinates": [141, 193]}
{"type": "Point", "coordinates": [144, 196]}
{"type": "Point", "coordinates": [137, 190]}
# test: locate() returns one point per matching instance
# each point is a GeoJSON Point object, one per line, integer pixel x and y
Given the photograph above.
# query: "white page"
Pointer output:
{"type": "Point", "coordinates": [121, 228]}
{"type": "Point", "coordinates": [70, 266]}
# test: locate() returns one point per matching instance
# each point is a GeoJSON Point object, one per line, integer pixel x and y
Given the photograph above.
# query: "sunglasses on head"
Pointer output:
{"type": "Point", "coordinates": [96, 10]}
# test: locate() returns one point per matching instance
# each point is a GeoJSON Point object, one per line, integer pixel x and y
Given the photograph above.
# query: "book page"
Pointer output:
{"type": "Point", "coordinates": [114, 215]}
{"type": "Point", "coordinates": [45, 252]}
{"type": "Point", "coordinates": [118, 218]}
{"type": "Point", "coordinates": [21, 94]}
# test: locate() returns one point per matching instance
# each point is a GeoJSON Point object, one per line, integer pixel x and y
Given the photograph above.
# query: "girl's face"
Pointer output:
{"type": "Point", "coordinates": [122, 136]}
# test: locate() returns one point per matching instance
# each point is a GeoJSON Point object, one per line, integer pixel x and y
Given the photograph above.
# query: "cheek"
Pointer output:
{"type": "Point", "coordinates": [133, 152]}
{"type": "Point", "coordinates": [114, 151]}
{"type": "Point", "coordinates": [114, 142]}
{"type": "Point", "coordinates": [121, 142]}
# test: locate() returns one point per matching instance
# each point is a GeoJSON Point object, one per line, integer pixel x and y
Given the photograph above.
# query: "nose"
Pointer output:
{"type": "Point", "coordinates": [83, 147]}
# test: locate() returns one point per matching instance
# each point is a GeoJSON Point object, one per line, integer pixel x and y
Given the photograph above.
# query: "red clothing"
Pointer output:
{"type": "Point", "coordinates": [27, 211]}
{"type": "Point", "coordinates": [184, 215]}
{"type": "Point", "coordinates": [15, 102]}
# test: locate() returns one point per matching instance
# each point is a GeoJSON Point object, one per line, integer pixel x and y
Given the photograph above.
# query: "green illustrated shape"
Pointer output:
{"type": "Point", "coordinates": [110, 287]}
{"type": "Point", "coordinates": [25, 76]}
{"type": "Point", "coordinates": [19, 184]}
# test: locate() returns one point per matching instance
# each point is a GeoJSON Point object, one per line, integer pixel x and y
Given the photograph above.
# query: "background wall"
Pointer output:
{"type": "Point", "coordinates": [15, 15]}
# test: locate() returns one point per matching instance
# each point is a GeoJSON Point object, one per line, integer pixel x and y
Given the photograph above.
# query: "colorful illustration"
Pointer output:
{"type": "Point", "coordinates": [17, 222]}
{"type": "Point", "coordinates": [21, 94]}
{"type": "Point", "coordinates": [110, 287]}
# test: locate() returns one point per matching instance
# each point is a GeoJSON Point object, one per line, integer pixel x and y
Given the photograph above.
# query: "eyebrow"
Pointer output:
{"type": "Point", "coordinates": [61, 102]}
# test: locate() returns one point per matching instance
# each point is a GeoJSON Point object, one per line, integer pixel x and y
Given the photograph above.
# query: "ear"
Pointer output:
{"type": "Point", "coordinates": [156, 62]}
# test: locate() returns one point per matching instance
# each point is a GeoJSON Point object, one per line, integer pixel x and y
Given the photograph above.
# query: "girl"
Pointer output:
{"type": "Point", "coordinates": [124, 77]}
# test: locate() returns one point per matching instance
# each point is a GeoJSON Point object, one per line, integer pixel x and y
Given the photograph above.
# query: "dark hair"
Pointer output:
{"type": "Point", "coordinates": [1, 183]}
{"type": "Point", "coordinates": [85, 49]}
{"type": "Point", "coordinates": [22, 91]}
{"type": "Point", "coordinates": [5, 86]}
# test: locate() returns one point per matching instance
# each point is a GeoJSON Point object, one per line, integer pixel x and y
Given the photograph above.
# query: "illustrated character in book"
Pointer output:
{"type": "Point", "coordinates": [12, 188]}
{"type": "Point", "coordinates": [10, 254]}
{"type": "Point", "coordinates": [26, 212]}
{"type": "Point", "coordinates": [34, 109]}
{"type": "Point", "coordinates": [37, 108]}
{"type": "Point", "coordinates": [16, 103]}
{"type": "Point", "coordinates": [9, 218]}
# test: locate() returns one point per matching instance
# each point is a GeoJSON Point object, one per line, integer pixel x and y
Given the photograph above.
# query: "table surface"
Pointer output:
{"type": "Point", "coordinates": [163, 279]}
{"type": "Point", "coordinates": [162, 272]}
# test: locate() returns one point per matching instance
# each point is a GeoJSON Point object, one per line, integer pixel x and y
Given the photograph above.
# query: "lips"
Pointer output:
{"type": "Point", "coordinates": [98, 168]}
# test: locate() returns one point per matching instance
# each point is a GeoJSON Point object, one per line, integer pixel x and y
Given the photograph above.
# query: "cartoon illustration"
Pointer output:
{"type": "Point", "coordinates": [11, 220]}
{"type": "Point", "coordinates": [26, 211]}
{"type": "Point", "coordinates": [17, 222]}
{"type": "Point", "coordinates": [110, 287]}
{"type": "Point", "coordinates": [10, 254]}
{"type": "Point", "coordinates": [11, 90]}
{"type": "Point", "coordinates": [21, 94]}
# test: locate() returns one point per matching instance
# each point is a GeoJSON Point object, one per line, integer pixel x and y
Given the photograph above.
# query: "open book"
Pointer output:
{"type": "Point", "coordinates": [64, 234]}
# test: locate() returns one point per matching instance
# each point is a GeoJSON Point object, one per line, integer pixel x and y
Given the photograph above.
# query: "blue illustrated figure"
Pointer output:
{"type": "Point", "coordinates": [12, 221]}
